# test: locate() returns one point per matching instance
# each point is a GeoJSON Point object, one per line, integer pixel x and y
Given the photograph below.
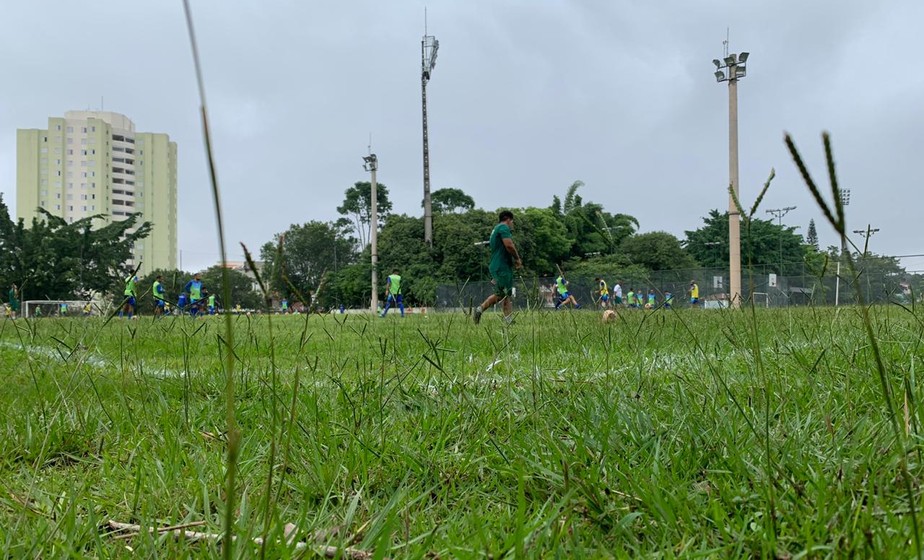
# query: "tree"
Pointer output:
{"type": "Point", "coordinates": [657, 250]}
{"type": "Point", "coordinates": [451, 201]}
{"type": "Point", "coordinates": [60, 260]}
{"type": "Point", "coordinates": [243, 289]}
{"type": "Point", "coordinates": [761, 241]}
{"type": "Point", "coordinates": [592, 230]}
{"type": "Point", "coordinates": [308, 252]}
{"type": "Point", "coordinates": [357, 206]}
{"type": "Point", "coordinates": [812, 236]}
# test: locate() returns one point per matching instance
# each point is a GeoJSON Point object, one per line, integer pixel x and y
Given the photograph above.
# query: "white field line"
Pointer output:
{"type": "Point", "coordinates": [93, 360]}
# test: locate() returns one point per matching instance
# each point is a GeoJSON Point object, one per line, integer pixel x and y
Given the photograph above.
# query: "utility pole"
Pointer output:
{"type": "Point", "coordinates": [779, 213]}
{"type": "Point", "coordinates": [428, 48]}
{"type": "Point", "coordinates": [866, 234]}
{"type": "Point", "coordinates": [371, 164]}
{"type": "Point", "coordinates": [731, 69]}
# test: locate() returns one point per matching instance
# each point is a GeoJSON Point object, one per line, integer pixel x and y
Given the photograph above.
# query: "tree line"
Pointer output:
{"type": "Point", "coordinates": [329, 262]}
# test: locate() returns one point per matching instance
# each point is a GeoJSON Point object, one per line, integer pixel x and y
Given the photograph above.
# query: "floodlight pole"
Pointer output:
{"type": "Point", "coordinates": [845, 202]}
{"type": "Point", "coordinates": [371, 164]}
{"type": "Point", "coordinates": [779, 213]}
{"type": "Point", "coordinates": [428, 48]}
{"type": "Point", "coordinates": [731, 71]}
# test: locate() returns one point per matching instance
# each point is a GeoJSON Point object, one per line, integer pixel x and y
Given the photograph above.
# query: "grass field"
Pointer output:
{"type": "Point", "coordinates": [689, 433]}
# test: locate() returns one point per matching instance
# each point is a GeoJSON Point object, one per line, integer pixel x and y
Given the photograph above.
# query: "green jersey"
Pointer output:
{"type": "Point", "coordinates": [130, 286]}
{"type": "Point", "coordinates": [212, 301]}
{"type": "Point", "coordinates": [561, 285]}
{"type": "Point", "coordinates": [158, 291]}
{"type": "Point", "coordinates": [501, 260]}
{"type": "Point", "coordinates": [394, 284]}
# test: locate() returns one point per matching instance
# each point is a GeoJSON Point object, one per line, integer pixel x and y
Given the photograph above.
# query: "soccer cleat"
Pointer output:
{"type": "Point", "coordinates": [476, 316]}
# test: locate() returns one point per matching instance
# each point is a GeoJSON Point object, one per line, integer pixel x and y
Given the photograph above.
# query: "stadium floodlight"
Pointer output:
{"type": "Point", "coordinates": [371, 164]}
{"type": "Point", "coordinates": [429, 46]}
{"type": "Point", "coordinates": [731, 71]}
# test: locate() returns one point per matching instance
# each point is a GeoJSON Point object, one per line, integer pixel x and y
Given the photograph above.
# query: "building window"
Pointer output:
{"type": "Point", "coordinates": [43, 204]}
{"type": "Point", "coordinates": [70, 197]}
{"type": "Point", "coordinates": [59, 173]}
{"type": "Point", "coordinates": [58, 162]}
{"type": "Point", "coordinates": [92, 208]}
{"type": "Point", "coordinates": [93, 196]}
{"type": "Point", "coordinates": [70, 140]}
{"type": "Point", "coordinates": [57, 206]}
{"type": "Point", "coordinates": [44, 139]}
{"type": "Point", "coordinates": [44, 150]}
{"type": "Point", "coordinates": [59, 127]}
{"type": "Point", "coordinates": [83, 186]}
{"type": "Point", "coordinates": [57, 195]}
{"type": "Point", "coordinates": [70, 151]}
{"type": "Point", "coordinates": [84, 208]}
{"type": "Point", "coordinates": [83, 141]}
{"type": "Point", "coordinates": [69, 129]}
{"type": "Point", "coordinates": [84, 130]}
{"type": "Point", "coordinates": [92, 129]}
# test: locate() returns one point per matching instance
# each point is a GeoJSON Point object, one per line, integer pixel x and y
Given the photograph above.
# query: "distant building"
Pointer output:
{"type": "Point", "coordinates": [93, 162]}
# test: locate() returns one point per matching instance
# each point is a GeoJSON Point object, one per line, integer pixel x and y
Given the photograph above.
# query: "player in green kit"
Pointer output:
{"type": "Point", "coordinates": [393, 293]}
{"type": "Point", "coordinates": [504, 258]}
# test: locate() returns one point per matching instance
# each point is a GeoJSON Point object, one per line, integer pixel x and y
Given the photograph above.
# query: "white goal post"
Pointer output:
{"type": "Point", "coordinates": [36, 308]}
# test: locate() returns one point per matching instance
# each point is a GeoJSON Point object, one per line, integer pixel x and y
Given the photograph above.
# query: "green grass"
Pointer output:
{"type": "Point", "coordinates": [688, 433]}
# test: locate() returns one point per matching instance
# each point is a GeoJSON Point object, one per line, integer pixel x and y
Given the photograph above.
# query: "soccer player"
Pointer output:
{"type": "Point", "coordinates": [564, 296]}
{"type": "Point", "coordinates": [393, 293]}
{"type": "Point", "coordinates": [284, 306]}
{"type": "Point", "coordinates": [652, 299]}
{"type": "Point", "coordinates": [194, 289]}
{"type": "Point", "coordinates": [160, 294]}
{"type": "Point", "coordinates": [630, 300]}
{"type": "Point", "coordinates": [14, 301]}
{"type": "Point", "coordinates": [694, 293]}
{"type": "Point", "coordinates": [604, 292]}
{"type": "Point", "coordinates": [504, 258]}
{"type": "Point", "coordinates": [617, 295]}
{"type": "Point", "coordinates": [129, 294]}
{"type": "Point", "coordinates": [668, 300]}
{"type": "Point", "coordinates": [211, 304]}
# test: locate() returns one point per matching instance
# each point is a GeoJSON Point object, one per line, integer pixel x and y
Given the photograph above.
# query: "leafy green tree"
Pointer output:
{"type": "Point", "coordinates": [761, 241]}
{"type": "Point", "coordinates": [592, 230]}
{"type": "Point", "coordinates": [357, 207]}
{"type": "Point", "coordinates": [60, 260]}
{"type": "Point", "coordinates": [243, 288]}
{"type": "Point", "coordinates": [449, 200]}
{"type": "Point", "coordinates": [309, 251]}
{"type": "Point", "coordinates": [657, 250]}
{"type": "Point", "coordinates": [542, 240]}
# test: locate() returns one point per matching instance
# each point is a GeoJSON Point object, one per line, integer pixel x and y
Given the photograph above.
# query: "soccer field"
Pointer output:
{"type": "Point", "coordinates": [672, 433]}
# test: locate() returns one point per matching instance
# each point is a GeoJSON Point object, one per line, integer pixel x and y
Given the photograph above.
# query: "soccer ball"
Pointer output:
{"type": "Point", "coordinates": [609, 316]}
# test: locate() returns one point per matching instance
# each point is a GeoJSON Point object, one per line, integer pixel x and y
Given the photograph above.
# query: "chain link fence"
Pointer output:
{"type": "Point", "coordinates": [759, 284]}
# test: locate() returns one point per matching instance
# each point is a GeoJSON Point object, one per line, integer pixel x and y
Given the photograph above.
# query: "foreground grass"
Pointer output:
{"type": "Point", "coordinates": [666, 434]}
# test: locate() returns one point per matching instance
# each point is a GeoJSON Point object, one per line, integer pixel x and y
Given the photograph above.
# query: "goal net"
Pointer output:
{"type": "Point", "coordinates": [36, 308]}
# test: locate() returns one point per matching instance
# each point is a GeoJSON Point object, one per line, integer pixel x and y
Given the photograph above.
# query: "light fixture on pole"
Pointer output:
{"type": "Point", "coordinates": [428, 49]}
{"type": "Point", "coordinates": [844, 197]}
{"type": "Point", "coordinates": [371, 164]}
{"type": "Point", "coordinates": [731, 69]}
{"type": "Point", "coordinates": [779, 213]}
{"type": "Point", "coordinates": [866, 234]}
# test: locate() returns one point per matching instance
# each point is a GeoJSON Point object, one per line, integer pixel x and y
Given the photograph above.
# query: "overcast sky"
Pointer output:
{"type": "Point", "coordinates": [527, 96]}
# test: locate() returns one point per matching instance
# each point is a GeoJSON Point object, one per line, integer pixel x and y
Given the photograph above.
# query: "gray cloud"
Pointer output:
{"type": "Point", "coordinates": [526, 98]}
